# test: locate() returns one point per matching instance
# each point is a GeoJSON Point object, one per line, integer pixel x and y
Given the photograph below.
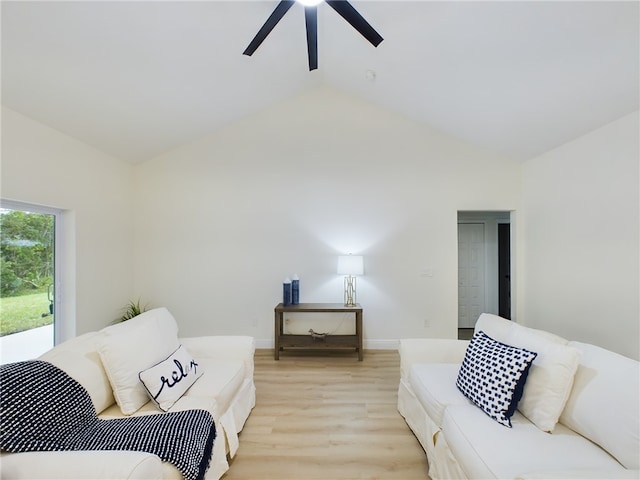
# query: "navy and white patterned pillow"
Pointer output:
{"type": "Point", "coordinates": [492, 376]}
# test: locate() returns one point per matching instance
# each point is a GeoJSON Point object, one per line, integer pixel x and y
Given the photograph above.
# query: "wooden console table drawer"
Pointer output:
{"type": "Point", "coordinates": [283, 340]}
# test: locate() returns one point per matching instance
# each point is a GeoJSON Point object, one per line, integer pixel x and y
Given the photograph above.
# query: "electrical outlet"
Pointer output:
{"type": "Point", "coordinates": [254, 322]}
{"type": "Point", "coordinates": [427, 323]}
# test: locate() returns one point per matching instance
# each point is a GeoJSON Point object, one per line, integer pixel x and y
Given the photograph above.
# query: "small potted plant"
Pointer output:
{"type": "Point", "coordinates": [132, 309]}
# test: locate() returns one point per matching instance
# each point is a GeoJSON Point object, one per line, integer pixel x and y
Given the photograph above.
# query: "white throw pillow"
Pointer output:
{"type": "Point", "coordinates": [129, 347]}
{"type": "Point", "coordinates": [551, 375]}
{"type": "Point", "coordinates": [493, 375]}
{"type": "Point", "coordinates": [604, 405]}
{"type": "Point", "coordinates": [167, 381]}
{"type": "Point", "coordinates": [550, 379]}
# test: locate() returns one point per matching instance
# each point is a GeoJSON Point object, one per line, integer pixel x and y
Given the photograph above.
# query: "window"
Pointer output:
{"type": "Point", "coordinates": [29, 280]}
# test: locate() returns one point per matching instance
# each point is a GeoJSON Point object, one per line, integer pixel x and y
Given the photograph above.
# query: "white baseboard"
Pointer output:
{"type": "Point", "coordinates": [381, 344]}
{"type": "Point", "coordinates": [264, 343]}
{"type": "Point", "coordinates": [368, 344]}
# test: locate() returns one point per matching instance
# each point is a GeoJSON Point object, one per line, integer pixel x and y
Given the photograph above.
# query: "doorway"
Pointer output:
{"type": "Point", "coordinates": [484, 267]}
{"type": "Point", "coordinates": [28, 281]}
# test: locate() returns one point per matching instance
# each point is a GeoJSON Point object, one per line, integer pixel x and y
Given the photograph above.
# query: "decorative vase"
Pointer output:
{"type": "Point", "coordinates": [286, 292]}
{"type": "Point", "coordinates": [295, 289]}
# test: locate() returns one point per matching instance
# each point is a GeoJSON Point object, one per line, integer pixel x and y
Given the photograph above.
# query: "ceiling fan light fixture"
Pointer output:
{"type": "Point", "coordinates": [342, 7]}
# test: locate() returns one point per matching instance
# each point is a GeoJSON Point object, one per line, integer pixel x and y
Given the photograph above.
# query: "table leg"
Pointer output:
{"type": "Point", "coordinates": [277, 333]}
{"type": "Point", "coordinates": [359, 334]}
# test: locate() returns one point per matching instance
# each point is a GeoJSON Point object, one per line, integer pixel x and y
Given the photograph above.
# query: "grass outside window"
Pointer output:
{"type": "Point", "coordinates": [24, 312]}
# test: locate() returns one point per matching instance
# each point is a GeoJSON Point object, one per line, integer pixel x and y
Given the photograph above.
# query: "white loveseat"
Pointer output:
{"type": "Point", "coordinates": [107, 364]}
{"type": "Point", "coordinates": [578, 417]}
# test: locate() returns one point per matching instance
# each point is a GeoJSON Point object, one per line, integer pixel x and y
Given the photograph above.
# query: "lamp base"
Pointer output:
{"type": "Point", "coordinates": [350, 291]}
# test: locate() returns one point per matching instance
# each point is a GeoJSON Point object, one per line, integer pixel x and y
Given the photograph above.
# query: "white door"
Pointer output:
{"type": "Point", "coordinates": [471, 265]}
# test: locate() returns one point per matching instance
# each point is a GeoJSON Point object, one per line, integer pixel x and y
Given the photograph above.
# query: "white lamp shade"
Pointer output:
{"type": "Point", "coordinates": [350, 265]}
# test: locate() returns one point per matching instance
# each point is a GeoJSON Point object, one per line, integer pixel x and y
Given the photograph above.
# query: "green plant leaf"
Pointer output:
{"type": "Point", "coordinates": [132, 309]}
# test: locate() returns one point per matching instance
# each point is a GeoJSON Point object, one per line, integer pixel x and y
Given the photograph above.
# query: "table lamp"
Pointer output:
{"type": "Point", "coordinates": [350, 265]}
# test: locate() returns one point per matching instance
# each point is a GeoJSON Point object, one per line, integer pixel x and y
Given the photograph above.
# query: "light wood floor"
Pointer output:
{"type": "Point", "coordinates": [326, 416]}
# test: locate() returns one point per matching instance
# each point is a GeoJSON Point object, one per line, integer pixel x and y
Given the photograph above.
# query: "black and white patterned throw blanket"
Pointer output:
{"type": "Point", "coordinates": [44, 409]}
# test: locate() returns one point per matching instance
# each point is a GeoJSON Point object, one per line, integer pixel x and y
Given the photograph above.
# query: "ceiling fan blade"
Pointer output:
{"type": "Point", "coordinates": [311, 20]}
{"type": "Point", "coordinates": [282, 8]}
{"type": "Point", "coordinates": [356, 20]}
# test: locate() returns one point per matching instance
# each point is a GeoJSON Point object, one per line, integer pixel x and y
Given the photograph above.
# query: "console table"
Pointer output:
{"type": "Point", "coordinates": [283, 341]}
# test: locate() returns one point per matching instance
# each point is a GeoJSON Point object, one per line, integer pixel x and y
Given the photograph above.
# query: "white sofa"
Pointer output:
{"type": "Point", "coordinates": [578, 417]}
{"type": "Point", "coordinates": [107, 364]}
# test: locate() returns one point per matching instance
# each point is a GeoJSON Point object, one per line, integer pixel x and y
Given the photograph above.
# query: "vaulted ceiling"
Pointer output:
{"type": "Point", "coordinates": [135, 79]}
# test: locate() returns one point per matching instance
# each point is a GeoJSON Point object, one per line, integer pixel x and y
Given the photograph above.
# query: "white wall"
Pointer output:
{"type": "Point", "coordinates": [220, 222]}
{"type": "Point", "coordinates": [581, 255]}
{"type": "Point", "coordinates": [45, 167]}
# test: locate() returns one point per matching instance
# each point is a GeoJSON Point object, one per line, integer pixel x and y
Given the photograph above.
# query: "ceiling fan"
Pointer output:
{"type": "Point", "coordinates": [343, 7]}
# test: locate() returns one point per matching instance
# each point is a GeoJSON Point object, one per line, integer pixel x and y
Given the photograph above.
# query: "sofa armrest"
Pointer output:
{"type": "Point", "coordinates": [223, 347]}
{"type": "Point", "coordinates": [81, 465]}
{"type": "Point", "coordinates": [429, 350]}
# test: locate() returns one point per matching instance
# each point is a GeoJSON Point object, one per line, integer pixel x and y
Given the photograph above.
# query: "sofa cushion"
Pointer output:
{"type": "Point", "coordinates": [221, 380]}
{"type": "Point", "coordinates": [429, 350]}
{"type": "Point", "coordinates": [167, 381]}
{"type": "Point", "coordinates": [486, 450]}
{"type": "Point", "coordinates": [434, 385]}
{"type": "Point", "coordinates": [150, 408]}
{"type": "Point", "coordinates": [223, 348]}
{"type": "Point", "coordinates": [492, 376]}
{"type": "Point", "coordinates": [129, 347]}
{"type": "Point", "coordinates": [79, 358]}
{"type": "Point", "coordinates": [604, 403]}
{"type": "Point", "coordinates": [551, 375]}
{"type": "Point", "coordinates": [214, 391]}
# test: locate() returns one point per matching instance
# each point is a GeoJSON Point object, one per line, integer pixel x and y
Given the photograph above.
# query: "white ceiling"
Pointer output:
{"type": "Point", "coordinates": [136, 79]}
